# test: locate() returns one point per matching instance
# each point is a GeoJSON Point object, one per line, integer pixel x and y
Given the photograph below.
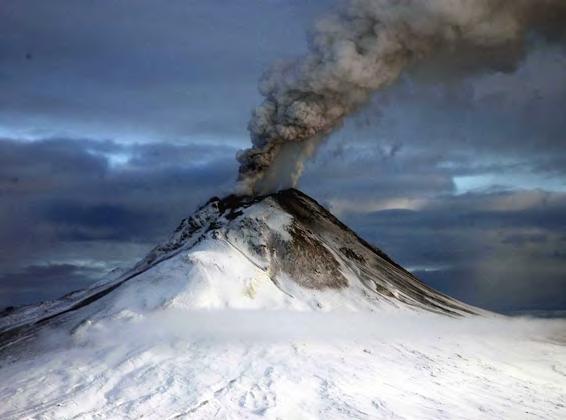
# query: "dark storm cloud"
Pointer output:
{"type": "Point", "coordinates": [43, 166]}
{"type": "Point", "coordinates": [152, 72]}
{"type": "Point", "coordinates": [77, 222]}
{"type": "Point", "coordinates": [506, 291]}
{"type": "Point", "coordinates": [38, 283]}
{"type": "Point", "coordinates": [476, 212]}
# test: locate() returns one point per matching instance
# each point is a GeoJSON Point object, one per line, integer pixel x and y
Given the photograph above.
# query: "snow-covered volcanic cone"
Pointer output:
{"type": "Point", "coordinates": [270, 307]}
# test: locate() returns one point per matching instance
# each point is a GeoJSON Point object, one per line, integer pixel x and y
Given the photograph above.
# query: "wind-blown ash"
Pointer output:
{"type": "Point", "coordinates": [364, 47]}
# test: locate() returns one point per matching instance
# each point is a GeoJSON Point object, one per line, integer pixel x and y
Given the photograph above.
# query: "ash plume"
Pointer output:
{"type": "Point", "coordinates": [365, 46]}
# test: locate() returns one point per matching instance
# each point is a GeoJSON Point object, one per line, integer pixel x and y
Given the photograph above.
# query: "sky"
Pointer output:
{"type": "Point", "coordinates": [118, 121]}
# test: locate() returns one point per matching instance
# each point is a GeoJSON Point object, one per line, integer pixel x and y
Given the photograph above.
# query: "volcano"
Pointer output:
{"type": "Point", "coordinates": [271, 307]}
{"type": "Point", "coordinates": [282, 250]}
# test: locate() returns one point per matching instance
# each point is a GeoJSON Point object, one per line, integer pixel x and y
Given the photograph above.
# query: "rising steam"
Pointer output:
{"type": "Point", "coordinates": [364, 47]}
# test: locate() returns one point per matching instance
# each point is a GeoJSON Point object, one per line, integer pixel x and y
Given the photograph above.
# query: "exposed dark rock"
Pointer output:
{"type": "Point", "coordinates": [307, 261]}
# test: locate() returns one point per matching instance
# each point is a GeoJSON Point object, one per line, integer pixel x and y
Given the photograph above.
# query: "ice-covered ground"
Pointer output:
{"type": "Point", "coordinates": [275, 310]}
{"type": "Point", "coordinates": [292, 365]}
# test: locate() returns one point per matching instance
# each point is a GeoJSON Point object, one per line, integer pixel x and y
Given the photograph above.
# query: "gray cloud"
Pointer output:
{"type": "Point", "coordinates": [152, 72]}
{"type": "Point", "coordinates": [37, 283]}
{"type": "Point", "coordinates": [511, 290]}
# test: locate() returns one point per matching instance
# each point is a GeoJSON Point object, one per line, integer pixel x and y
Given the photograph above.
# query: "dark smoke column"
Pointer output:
{"type": "Point", "coordinates": [362, 48]}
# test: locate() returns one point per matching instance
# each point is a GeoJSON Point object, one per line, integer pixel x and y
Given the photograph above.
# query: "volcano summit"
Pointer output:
{"type": "Point", "coordinates": [271, 307]}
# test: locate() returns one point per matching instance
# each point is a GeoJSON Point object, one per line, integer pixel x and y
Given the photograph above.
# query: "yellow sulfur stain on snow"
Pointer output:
{"type": "Point", "coordinates": [251, 291]}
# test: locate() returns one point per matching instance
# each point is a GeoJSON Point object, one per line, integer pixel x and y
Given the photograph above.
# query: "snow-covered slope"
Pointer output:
{"type": "Point", "coordinates": [271, 307]}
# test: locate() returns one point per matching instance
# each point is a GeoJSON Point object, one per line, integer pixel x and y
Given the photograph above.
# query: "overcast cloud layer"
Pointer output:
{"type": "Point", "coordinates": [116, 122]}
